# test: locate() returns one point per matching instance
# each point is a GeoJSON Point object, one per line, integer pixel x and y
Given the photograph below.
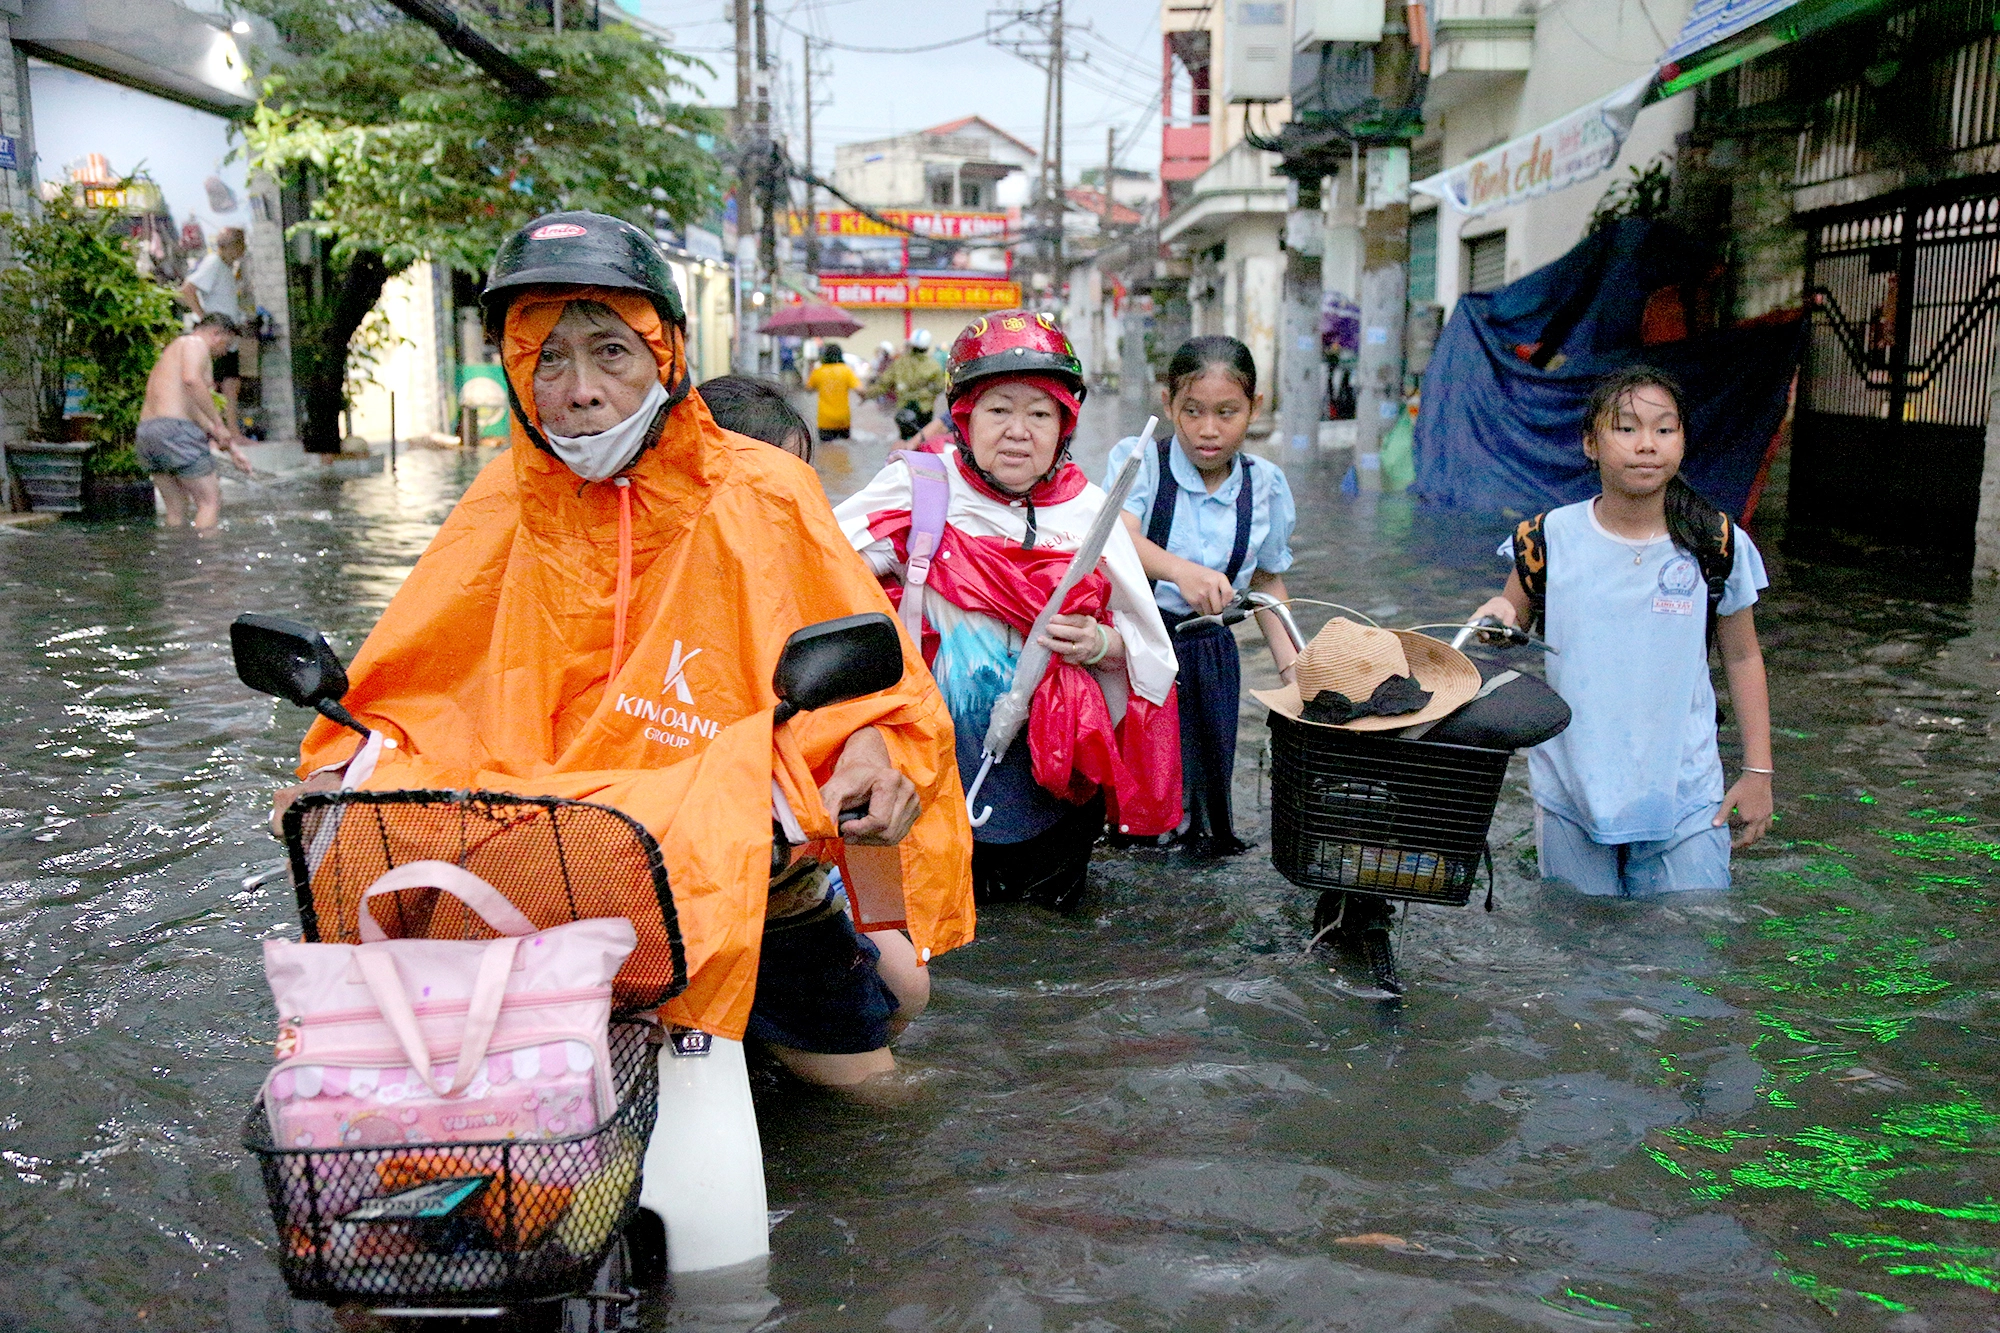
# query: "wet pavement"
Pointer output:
{"type": "Point", "coordinates": [1774, 1109]}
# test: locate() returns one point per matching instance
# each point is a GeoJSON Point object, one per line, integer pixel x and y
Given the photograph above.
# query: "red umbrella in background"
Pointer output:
{"type": "Point", "coordinates": [812, 319]}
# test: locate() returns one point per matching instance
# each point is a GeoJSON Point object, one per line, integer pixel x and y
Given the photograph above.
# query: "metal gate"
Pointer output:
{"type": "Point", "coordinates": [1903, 303]}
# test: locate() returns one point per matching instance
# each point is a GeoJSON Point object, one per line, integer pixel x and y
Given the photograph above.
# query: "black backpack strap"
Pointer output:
{"type": "Point", "coordinates": [1160, 522]}
{"type": "Point", "coordinates": [1717, 559]}
{"type": "Point", "coordinates": [1246, 503]}
{"type": "Point", "coordinates": [1531, 566]}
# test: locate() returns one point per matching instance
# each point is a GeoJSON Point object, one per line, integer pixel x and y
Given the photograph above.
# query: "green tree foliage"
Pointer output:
{"type": "Point", "coordinates": [402, 150]}
{"type": "Point", "coordinates": [75, 304]}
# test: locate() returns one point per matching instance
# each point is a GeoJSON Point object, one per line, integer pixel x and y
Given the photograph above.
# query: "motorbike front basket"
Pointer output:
{"type": "Point", "coordinates": [557, 860]}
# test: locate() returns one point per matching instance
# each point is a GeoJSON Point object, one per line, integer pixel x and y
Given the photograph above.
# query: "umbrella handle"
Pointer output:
{"type": "Point", "coordinates": [972, 794]}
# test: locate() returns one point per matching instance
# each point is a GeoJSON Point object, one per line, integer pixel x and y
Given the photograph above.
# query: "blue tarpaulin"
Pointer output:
{"type": "Point", "coordinates": [1498, 432]}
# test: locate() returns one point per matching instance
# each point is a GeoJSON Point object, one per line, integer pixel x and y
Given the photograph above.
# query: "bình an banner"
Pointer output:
{"type": "Point", "coordinates": [1558, 155]}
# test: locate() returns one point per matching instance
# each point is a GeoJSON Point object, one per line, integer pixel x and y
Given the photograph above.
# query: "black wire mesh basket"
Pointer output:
{"type": "Point", "coordinates": [1378, 814]}
{"type": "Point", "coordinates": [461, 1223]}
{"type": "Point", "coordinates": [557, 860]}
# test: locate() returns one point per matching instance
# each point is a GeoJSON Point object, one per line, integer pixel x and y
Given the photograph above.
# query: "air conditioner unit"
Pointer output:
{"type": "Point", "coordinates": [1317, 21]}
{"type": "Point", "coordinates": [1257, 66]}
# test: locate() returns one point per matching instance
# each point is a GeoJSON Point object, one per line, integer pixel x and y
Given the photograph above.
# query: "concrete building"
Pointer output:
{"type": "Point", "coordinates": [967, 163]}
{"type": "Point", "coordinates": [1224, 203]}
{"type": "Point", "coordinates": [1501, 69]}
{"type": "Point", "coordinates": [959, 188]}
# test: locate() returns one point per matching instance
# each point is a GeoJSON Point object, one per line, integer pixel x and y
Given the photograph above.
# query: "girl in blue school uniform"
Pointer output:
{"type": "Point", "coordinates": [1634, 586]}
{"type": "Point", "coordinates": [1210, 521]}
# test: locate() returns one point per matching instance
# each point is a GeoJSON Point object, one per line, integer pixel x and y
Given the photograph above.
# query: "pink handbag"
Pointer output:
{"type": "Point", "coordinates": [392, 1042]}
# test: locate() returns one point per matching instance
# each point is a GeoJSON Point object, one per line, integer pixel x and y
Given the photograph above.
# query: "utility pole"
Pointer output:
{"type": "Point", "coordinates": [1056, 65]}
{"type": "Point", "coordinates": [1046, 50]}
{"type": "Point", "coordinates": [1110, 156]}
{"type": "Point", "coordinates": [812, 190]}
{"type": "Point", "coordinates": [742, 116]}
{"type": "Point", "coordinates": [767, 255]}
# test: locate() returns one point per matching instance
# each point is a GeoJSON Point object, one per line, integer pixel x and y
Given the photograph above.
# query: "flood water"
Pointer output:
{"type": "Point", "coordinates": [1775, 1109]}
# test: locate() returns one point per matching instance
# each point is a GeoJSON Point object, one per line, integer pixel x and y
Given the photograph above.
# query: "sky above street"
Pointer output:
{"type": "Point", "coordinates": [872, 96]}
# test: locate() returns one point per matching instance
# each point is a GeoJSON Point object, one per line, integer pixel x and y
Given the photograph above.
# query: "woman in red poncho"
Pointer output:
{"type": "Point", "coordinates": [1103, 738]}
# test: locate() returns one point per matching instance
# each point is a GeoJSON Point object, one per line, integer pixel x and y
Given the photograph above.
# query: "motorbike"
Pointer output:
{"type": "Point", "coordinates": [672, 1183]}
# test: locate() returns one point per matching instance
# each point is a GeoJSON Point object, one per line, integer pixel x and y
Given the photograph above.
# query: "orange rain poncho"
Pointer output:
{"type": "Point", "coordinates": [492, 666]}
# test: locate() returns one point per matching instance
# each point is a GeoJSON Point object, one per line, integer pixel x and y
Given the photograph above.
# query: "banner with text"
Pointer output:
{"type": "Point", "coordinates": [1558, 155]}
{"type": "Point", "coordinates": [917, 293]}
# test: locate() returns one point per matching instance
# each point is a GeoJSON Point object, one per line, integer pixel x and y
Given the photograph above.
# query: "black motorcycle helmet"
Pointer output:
{"type": "Point", "coordinates": [581, 250]}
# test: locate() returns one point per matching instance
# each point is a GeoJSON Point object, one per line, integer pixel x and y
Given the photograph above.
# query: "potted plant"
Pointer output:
{"type": "Point", "coordinates": [74, 304]}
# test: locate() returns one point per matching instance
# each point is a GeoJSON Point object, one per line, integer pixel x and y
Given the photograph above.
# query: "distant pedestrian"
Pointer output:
{"type": "Point", "coordinates": [179, 427]}
{"type": "Point", "coordinates": [1633, 588]}
{"type": "Point", "coordinates": [212, 290]}
{"type": "Point", "coordinates": [759, 409]}
{"type": "Point", "coordinates": [836, 384]}
{"type": "Point", "coordinates": [1210, 522]}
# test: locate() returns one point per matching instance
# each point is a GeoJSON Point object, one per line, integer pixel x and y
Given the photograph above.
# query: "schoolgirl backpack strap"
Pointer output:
{"type": "Point", "coordinates": [930, 501]}
{"type": "Point", "coordinates": [1717, 559]}
{"type": "Point", "coordinates": [1531, 566]}
{"type": "Point", "coordinates": [1160, 520]}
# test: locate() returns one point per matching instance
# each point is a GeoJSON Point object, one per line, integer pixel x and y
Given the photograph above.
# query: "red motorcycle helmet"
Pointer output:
{"type": "Point", "coordinates": [1014, 344]}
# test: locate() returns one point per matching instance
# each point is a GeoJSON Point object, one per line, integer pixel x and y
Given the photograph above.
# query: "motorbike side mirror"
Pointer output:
{"type": "Point", "coordinates": [292, 661]}
{"type": "Point", "coordinates": [837, 660]}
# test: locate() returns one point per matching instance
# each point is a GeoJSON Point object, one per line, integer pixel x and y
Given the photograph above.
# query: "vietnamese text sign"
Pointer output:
{"type": "Point", "coordinates": [919, 293]}
{"type": "Point", "coordinates": [1558, 155]}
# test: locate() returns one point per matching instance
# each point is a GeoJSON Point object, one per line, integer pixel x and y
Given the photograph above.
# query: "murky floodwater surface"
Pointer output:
{"type": "Point", "coordinates": [1776, 1109]}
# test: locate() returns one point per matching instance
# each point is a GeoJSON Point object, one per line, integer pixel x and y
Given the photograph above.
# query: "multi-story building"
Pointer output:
{"type": "Point", "coordinates": [953, 194]}
{"type": "Point", "coordinates": [1223, 203]}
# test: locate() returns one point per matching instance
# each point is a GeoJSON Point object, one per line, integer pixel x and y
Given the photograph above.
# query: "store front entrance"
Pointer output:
{"type": "Point", "coordinates": [1903, 304]}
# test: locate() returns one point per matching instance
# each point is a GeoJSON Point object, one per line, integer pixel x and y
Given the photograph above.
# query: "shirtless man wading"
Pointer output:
{"type": "Point", "coordinates": [180, 419]}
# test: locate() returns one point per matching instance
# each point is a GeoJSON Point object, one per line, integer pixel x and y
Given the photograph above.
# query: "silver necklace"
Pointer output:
{"type": "Point", "coordinates": [1637, 545]}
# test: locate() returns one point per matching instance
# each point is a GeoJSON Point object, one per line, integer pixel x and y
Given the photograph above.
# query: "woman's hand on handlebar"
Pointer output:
{"type": "Point", "coordinates": [865, 778]}
{"type": "Point", "coordinates": [1501, 610]}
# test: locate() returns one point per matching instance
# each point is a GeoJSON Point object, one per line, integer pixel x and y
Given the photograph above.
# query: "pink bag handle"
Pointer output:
{"type": "Point", "coordinates": [488, 902]}
{"type": "Point", "coordinates": [378, 970]}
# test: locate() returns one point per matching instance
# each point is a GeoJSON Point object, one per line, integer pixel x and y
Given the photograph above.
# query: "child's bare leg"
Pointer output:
{"type": "Point", "coordinates": [172, 498]}
{"type": "Point", "coordinates": [909, 982]}
{"type": "Point", "coordinates": [207, 493]}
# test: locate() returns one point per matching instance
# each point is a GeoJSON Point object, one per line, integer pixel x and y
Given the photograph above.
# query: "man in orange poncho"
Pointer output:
{"type": "Point", "coordinates": [599, 619]}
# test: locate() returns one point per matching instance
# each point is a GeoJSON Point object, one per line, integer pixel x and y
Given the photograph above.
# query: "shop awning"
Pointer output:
{"type": "Point", "coordinates": [1722, 34]}
{"type": "Point", "coordinates": [1718, 36]}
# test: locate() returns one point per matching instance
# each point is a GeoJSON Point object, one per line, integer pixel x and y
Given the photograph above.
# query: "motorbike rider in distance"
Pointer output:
{"type": "Point", "coordinates": [916, 380]}
{"type": "Point", "coordinates": [599, 619]}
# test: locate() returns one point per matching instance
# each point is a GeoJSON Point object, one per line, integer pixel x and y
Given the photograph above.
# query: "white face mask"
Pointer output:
{"type": "Point", "coordinates": [595, 457]}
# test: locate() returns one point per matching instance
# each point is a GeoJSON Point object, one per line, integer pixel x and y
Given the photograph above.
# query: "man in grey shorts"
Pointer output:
{"type": "Point", "coordinates": [180, 420]}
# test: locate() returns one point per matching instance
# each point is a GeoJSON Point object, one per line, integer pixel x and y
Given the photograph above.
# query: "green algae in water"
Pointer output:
{"type": "Point", "coordinates": [1856, 1167]}
{"type": "Point", "coordinates": [1916, 1258]}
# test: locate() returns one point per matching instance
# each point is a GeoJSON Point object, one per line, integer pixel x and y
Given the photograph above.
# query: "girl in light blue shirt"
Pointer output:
{"type": "Point", "coordinates": [1209, 521]}
{"type": "Point", "coordinates": [1629, 800]}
